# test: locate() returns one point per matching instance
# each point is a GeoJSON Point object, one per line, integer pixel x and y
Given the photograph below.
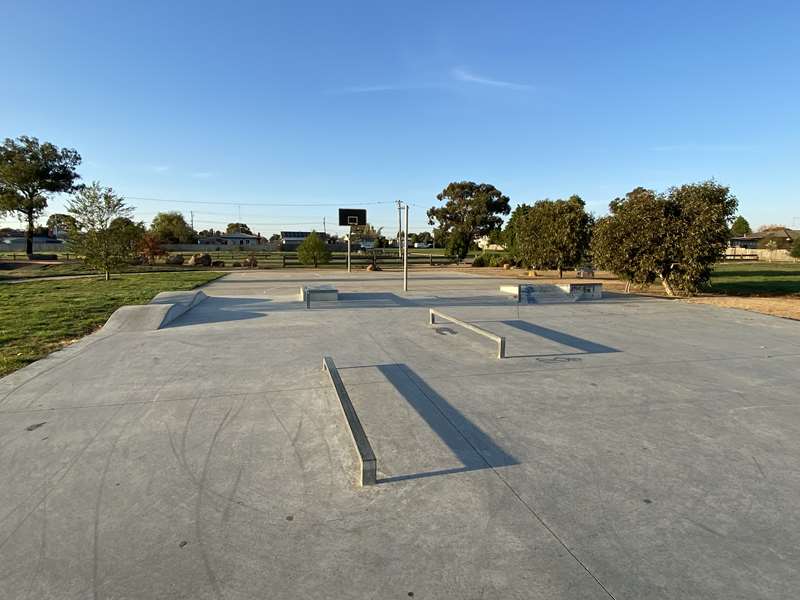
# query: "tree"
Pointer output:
{"type": "Point", "coordinates": [275, 237]}
{"type": "Point", "coordinates": [675, 237]}
{"type": "Point", "coordinates": [60, 223]}
{"type": "Point", "coordinates": [510, 232]}
{"type": "Point", "coordinates": [29, 173]}
{"type": "Point", "coordinates": [795, 251]}
{"type": "Point", "coordinates": [103, 232]}
{"type": "Point", "coordinates": [172, 228]}
{"type": "Point", "coordinates": [150, 247]}
{"type": "Point", "coordinates": [553, 234]}
{"type": "Point", "coordinates": [207, 233]}
{"type": "Point", "coordinates": [424, 237]}
{"type": "Point", "coordinates": [313, 250]}
{"type": "Point", "coordinates": [470, 210]}
{"type": "Point", "coordinates": [238, 228]}
{"type": "Point", "coordinates": [740, 227]}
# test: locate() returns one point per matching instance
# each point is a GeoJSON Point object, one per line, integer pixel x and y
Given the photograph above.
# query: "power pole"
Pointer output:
{"type": "Point", "coordinates": [324, 227]}
{"type": "Point", "coordinates": [191, 213]}
{"type": "Point", "coordinates": [399, 227]}
{"type": "Point", "coordinates": [405, 255]}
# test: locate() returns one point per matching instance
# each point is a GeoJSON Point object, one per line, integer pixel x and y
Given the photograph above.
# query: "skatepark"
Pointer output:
{"type": "Point", "coordinates": [623, 447]}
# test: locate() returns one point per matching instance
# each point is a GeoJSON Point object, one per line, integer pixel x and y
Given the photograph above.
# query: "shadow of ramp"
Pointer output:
{"type": "Point", "coordinates": [565, 339]}
{"type": "Point", "coordinates": [221, 309]}
{"type": "Point", "coordinates": [473, 447]}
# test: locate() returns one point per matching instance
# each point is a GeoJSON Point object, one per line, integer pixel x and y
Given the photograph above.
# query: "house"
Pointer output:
{"type": "Point", "coordinates": [782, 236]}
{"type": "Point", "coordinates": [233, 239]}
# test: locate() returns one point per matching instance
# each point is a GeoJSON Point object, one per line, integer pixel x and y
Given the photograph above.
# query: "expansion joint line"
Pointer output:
{"type": "Point", "coordinates": [510, 487]}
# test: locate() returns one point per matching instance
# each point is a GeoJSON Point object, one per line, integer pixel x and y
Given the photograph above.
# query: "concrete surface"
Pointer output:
{"type": "Point", "coordinates": [626, 448]}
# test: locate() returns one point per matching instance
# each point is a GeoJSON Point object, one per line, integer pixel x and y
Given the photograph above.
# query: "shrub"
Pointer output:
{"type": "Point", "coordinates": [795, 251]}
{"type": "Point", "coordinates": [174, 259]}
{"type": "Point", "coordinates": [480, 261]}
{"type": "Point", "coordinates": [313, 250]}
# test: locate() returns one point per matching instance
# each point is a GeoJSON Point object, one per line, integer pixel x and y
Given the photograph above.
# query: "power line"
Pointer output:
{"type": "Point", "coordinates": [261, 204]}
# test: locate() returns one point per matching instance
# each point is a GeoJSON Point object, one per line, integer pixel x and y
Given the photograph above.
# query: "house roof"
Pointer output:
{"type": "Point", "coordinates": [783, 232]}
{"type": "Point", "coordinates": [238, 236]}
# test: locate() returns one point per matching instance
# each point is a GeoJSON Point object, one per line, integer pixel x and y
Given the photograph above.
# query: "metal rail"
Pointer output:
{"type": "Point", "coordinates": [501, 341]}
{"type": "Point", "coordinates": [369, 465]}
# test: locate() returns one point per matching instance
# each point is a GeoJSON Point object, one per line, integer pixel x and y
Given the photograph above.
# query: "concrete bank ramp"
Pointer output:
{"type": "Point", "coordinates": [163, 309]}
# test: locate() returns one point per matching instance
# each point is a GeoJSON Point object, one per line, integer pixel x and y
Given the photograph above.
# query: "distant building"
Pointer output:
{"type": "Point", "coordinates": [291, 239]}
{"type": "Point", "coordinates": [783, 237]}
{"type": "Point", "coordinates": [233, 239]}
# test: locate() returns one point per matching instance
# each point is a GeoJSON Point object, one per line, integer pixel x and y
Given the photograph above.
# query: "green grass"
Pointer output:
{"type": "Point", "coordinates": [756, 278]}
{"type": "Point", "coordinates": [35, 271]}
{"type": "Point", "coordinates": [38, 317]}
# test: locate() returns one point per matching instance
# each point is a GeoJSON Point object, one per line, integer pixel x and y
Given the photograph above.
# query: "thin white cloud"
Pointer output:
{"type": "Point", "coordinates": [202, 174]}
{"type": "Point", "coordinates": [692, 147]}
{"type": "Point", "coordinates": [462, 74]}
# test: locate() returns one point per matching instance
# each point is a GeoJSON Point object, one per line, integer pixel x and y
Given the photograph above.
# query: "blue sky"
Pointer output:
{"type": "Point", "coordinates": [282, 111]}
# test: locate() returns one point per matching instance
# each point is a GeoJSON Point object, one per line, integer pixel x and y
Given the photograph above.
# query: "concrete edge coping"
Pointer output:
{"type": "Point", "coordinates": [162, 310]}
{"type": "Point", "coordinates": [501, 341]}
{"type": "Point", "coordinates": [366, 456]}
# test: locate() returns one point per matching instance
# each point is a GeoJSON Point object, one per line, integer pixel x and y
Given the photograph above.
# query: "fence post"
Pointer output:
{"type": "Point", "coordinates": [283, 261]}
{"type": "Point", "coordinates": [430, 259]}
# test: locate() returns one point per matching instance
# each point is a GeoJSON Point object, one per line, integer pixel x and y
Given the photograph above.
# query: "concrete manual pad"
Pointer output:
{"type": "Point", "coordinates": [627, 448]}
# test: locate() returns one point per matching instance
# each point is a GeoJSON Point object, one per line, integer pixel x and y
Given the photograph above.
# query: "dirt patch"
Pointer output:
{"type": "Point", "coordinates": [779, 306]}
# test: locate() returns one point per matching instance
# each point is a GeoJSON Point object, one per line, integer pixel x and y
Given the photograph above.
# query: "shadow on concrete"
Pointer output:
{"type": "Point", "coordinates": [584, 346]}
{"type": "Point", "coordinates": [372, 300]}
{"type": "Point", "coordinates": [218, 309]}
{"type": "Point", "coordinates": [468, 442]}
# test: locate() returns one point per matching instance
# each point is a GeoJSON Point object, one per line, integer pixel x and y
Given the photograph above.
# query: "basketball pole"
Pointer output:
{"type": "Point", "coordinates": [348, 248]}
{"type": "Point", "coordinates": [405, 254]}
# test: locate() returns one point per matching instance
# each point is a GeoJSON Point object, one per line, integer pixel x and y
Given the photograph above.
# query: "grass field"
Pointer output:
{"type": "Point", "coordinates": [37, 318]}
{"type": "Point", "coordinates": [36, 271]}
{"type": "Point", "coordinates": [757, 278]}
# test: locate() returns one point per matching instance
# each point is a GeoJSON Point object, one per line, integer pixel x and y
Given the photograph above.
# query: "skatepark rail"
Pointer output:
{"type": "Point", "coordinates": [501, 341]}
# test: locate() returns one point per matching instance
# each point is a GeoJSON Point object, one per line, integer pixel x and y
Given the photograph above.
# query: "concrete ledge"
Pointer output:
{"type": "Point", "coordinates": [369, 465]}
{"type": "Point", "coordinates": [162, 310]}
{"type": "Point", "coordinates": [323, 293]}
{"type": "Point", "coordinates": [583, 291]}
{"type": "Point", "coordinates": [501, 341]}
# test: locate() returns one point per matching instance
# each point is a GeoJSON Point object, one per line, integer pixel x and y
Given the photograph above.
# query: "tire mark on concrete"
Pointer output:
{"type": "Point", "coordinates": [212, 578]}
{"type": "Point", "coordinates": [42, 551]}
{"type": "Point", "coordinates": [98, 503]}
{"type": "Point", "coordinates": [61, 477]}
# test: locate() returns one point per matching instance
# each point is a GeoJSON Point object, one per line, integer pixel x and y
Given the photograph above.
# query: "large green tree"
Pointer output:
{"type": "Point", "coordinates": [238, 228]}
{"type": "Point", "coordinates": [30, 172]}
{"type": "Point", "coordinates": [313, 250]}
{"type": "Point", "coordinates": [553, 234]}
{"type": "Point", "coordinates": [510, 232]}
{"type": "Point", "coordinates": [740, 227]}
{"type": "Point", "coordinates": [103, 233]}
{"type": "Point", "coordinates": [59, 222]}
{"type": "Point", "coordinates": [675, 237]}
{"type": "Point", "coordinates": [470, 210]}
{"type": "Point", "coordinates": [172, 228]}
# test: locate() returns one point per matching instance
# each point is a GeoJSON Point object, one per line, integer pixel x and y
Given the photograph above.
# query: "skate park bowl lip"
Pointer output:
{"type": "Point", "coordinates": [162, 310]}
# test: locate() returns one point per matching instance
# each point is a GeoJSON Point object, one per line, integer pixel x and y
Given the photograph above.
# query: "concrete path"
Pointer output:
{"type": "Point", "coordinates": [627, 448]}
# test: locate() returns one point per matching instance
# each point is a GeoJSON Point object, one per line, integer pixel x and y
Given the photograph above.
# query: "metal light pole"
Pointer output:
{"type": "Point", "coordinates": [348, 248]}
{"type": "Point", "coordinates": [405, 254]}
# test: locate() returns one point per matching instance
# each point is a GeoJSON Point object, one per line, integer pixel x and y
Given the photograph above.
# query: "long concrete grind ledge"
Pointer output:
{"type": "Point", "coordinates": [163, 309]}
